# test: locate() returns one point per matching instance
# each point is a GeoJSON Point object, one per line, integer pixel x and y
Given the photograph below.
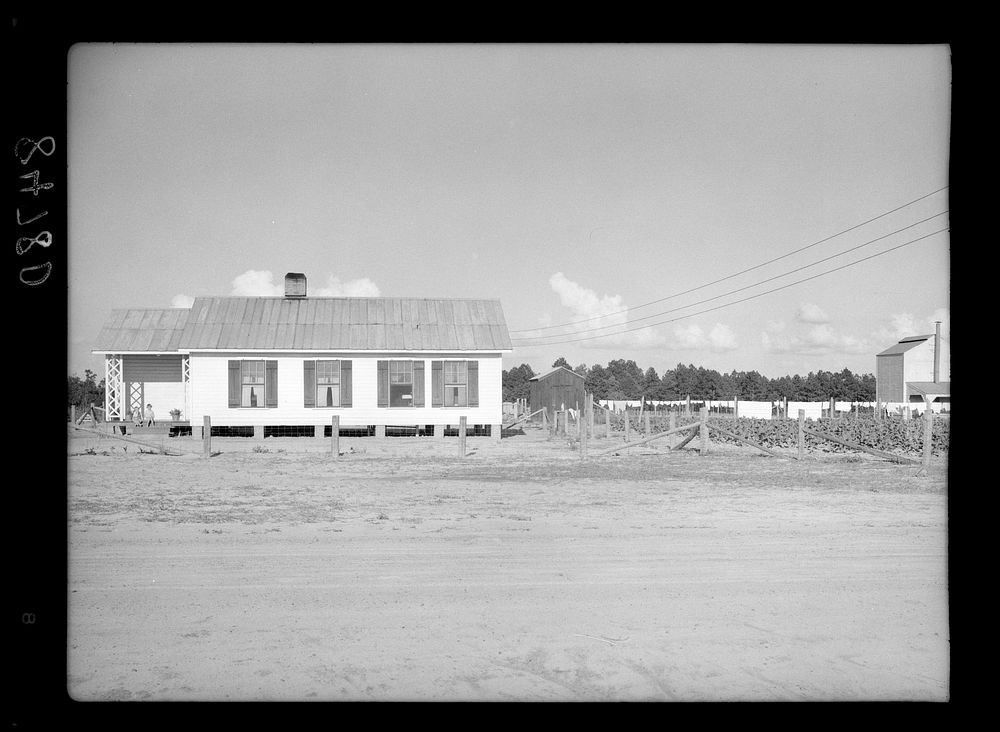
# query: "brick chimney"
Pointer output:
{"type": "Point", "coordinates": [295, 284]}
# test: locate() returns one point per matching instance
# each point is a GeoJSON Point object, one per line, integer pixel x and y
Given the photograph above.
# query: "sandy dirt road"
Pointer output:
{"type": "Point", "coordinates": [518, 573]}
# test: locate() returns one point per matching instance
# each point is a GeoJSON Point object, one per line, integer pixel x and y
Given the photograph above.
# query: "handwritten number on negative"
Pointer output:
{"type": "Point", "coordinates": [35, 187]}
{"type": "Point", "coordinates": [26, 147]}
{"type": "Point", "coordinates": [33, 218]}
{"type": "Point", "coordinates": [44, 239]}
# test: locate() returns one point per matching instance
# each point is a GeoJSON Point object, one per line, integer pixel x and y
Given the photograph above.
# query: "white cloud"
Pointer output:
{"type": "Point", "coordinates": [182, 301]}
{"type": "Point", "coordinates": [902, 325]}
{"type": "Point", "coordinates": [819, 340]}
{"type": "Point", "coordinates": [253, 283]}
{"type": "Point", "coordinates": [594, 311]}
{"type": "Point", "coordinates": [810, 313]}
{"type": "Point", "coordinates": [361, 287]}
{"type": "Point", "coordinates": [722, 338]}
{"type": "Point", "coordinates": [689, 337]}
{"type": "Point", "coordinates": [693, 337]}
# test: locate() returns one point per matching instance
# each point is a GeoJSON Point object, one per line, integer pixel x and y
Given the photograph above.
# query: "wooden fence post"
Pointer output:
{"type": "Point", "coordinates": [590, 414]}
{"type": "Point", "coordinates": [583, 434]}
{"type": "Point", "coordinates": [928, 435]}
{"type": "Point", "coordinates": [72, 414]}
{"type": "Point", "coordinates": [704, 430]}
{"type": "Point", "coordinates": [462, 424]}
{"type": "Point", "coordinates": [802, 434]}
{"type": "Point", "coordinates": [206, 436]}
{"type": "Point", "coordinates": [545, 419]}
{"type": "Point", "coordinates": [687, 407]}
{"type": "Point", "coordinates": [335, 436]}
{"type": "Point", "coordinates": [648, 430]}
{"type": "Point", "coordinates": [627, 429]}
{"type": "Point", "coordinates": [736, 406]}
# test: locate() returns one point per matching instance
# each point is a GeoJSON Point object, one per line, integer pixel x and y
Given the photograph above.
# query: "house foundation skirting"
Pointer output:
{"type": "Point", "coordinates": [261, 432]}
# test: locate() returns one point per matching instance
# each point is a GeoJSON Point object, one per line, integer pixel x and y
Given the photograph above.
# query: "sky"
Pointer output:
{"type": "Point", "coordinates": [778, 208]}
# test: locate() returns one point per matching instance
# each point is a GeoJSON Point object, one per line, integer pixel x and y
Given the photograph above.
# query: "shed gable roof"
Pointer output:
{"type": "Point", "coordinates": [556, 370]}
{"type": "Point", "coordinates": [930, 388]}
{"type": "Point", "coordinates": [904, 345]}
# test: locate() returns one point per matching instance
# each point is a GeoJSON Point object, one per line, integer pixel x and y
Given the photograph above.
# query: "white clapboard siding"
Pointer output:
{"type": "Point", "coordinates": [163, 397]}
{"type": "Point", "coordinates": [210, 392]}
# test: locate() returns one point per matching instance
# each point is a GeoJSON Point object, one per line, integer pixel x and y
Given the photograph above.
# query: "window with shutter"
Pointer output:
{"type": "Point", "coordinates": [234, 383]}
{"type": "Point", "coordinates": [455, 383]}
{"type": "Point", "coordinates": [253, 383]}
{"type": "Point", "coordinates": [271, 384]}
{"type": "Point", "coordinates": [327, 383]}
{"type": "Point", "coordinates": [383, 383]}
{"type": "Point", "coordinates": [346, 384]}
{"type": "Point", "coordinates": [437, 383]}
{"type": "Point", "coordinates": [309, 383]}
{"type": "Point", "coordinates": [418, 383]}
{"type": "Point", "coordinates": [473, 371]}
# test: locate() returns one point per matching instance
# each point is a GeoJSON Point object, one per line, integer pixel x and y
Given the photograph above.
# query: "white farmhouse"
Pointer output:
{"type": "Point", "coordinates": [285, 365]}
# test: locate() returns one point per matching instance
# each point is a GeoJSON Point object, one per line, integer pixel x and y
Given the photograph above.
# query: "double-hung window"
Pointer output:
{"type": "Point", "coordinates": [456, 384]}
{"type": "Point", "coordinates": [327, 383]}
{"type": "Point", "coordinates": [400, 383]}
{"type": "Point", "coordinates": [253, 383]}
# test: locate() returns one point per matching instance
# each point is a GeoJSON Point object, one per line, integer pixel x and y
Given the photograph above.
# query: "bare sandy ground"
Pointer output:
{"type": "Point", "coordinates": [404, 572]}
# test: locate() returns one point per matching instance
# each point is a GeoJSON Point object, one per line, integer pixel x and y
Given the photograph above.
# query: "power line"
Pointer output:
{"type": "Point", "coordinates": [751, 297]}
{"type": "Point", "coordinates": [736, 274]}
{"type": "Point", "coordinates": [731, 292]}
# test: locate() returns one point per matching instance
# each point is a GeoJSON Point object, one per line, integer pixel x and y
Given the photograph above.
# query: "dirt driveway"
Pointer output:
{"type": "Point", "coordinates": [403, 572]}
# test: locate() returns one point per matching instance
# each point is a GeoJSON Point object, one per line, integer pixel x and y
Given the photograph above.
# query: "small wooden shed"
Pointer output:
{"type": "Point", "coordinates": [559, 389]}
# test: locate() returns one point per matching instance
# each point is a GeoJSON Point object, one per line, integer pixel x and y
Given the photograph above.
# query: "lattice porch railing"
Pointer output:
{"type": "Point", "coordinates": [114, 391]}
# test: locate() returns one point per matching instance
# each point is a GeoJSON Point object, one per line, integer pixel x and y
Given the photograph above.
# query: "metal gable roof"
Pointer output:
{"type": "Point", "coordinates": [344, 323]}
{"type": "Point", "coordinates": [142, 330]}
{"type": "Point", "coordinates": [317, 324]}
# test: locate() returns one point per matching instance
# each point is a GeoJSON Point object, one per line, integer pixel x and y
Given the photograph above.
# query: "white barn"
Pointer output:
{"type": "Point", "coordinates": [280, 365]}
{"type": "Point", "coordinates": [914, 368]}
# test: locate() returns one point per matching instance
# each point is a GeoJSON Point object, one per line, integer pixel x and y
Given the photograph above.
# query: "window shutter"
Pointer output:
{"type": "Point", "coordinates": [437, 384]}
{"type": "Point", "coordinates": [270, 383]}
{"type": "Point", "coordinates": [309, 383]}
{"type": "Point", "coordinates": [346, 382]}
{"type": "Point", "coordinates": [234, 383]}
{"type": "Point", "coordinates": [418, 383]}
{"type": "Point", "coordinates": [383, 383]}
{"type": "Point", "coordinates": [473, 383]}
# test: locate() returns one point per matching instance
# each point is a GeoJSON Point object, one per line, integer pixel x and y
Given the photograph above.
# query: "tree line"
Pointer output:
{"type": "Point", "coordinates": [624, 379]}
{"type": "Point", "coordinates": [86, 391]}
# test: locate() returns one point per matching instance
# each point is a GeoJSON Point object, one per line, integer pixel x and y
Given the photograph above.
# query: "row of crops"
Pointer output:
{"type": "Point", "coordinates": [904, 437]}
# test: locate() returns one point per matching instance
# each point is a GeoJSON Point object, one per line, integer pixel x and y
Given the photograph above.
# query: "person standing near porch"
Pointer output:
{"type": "Point", "coordinates": [149, 417]}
